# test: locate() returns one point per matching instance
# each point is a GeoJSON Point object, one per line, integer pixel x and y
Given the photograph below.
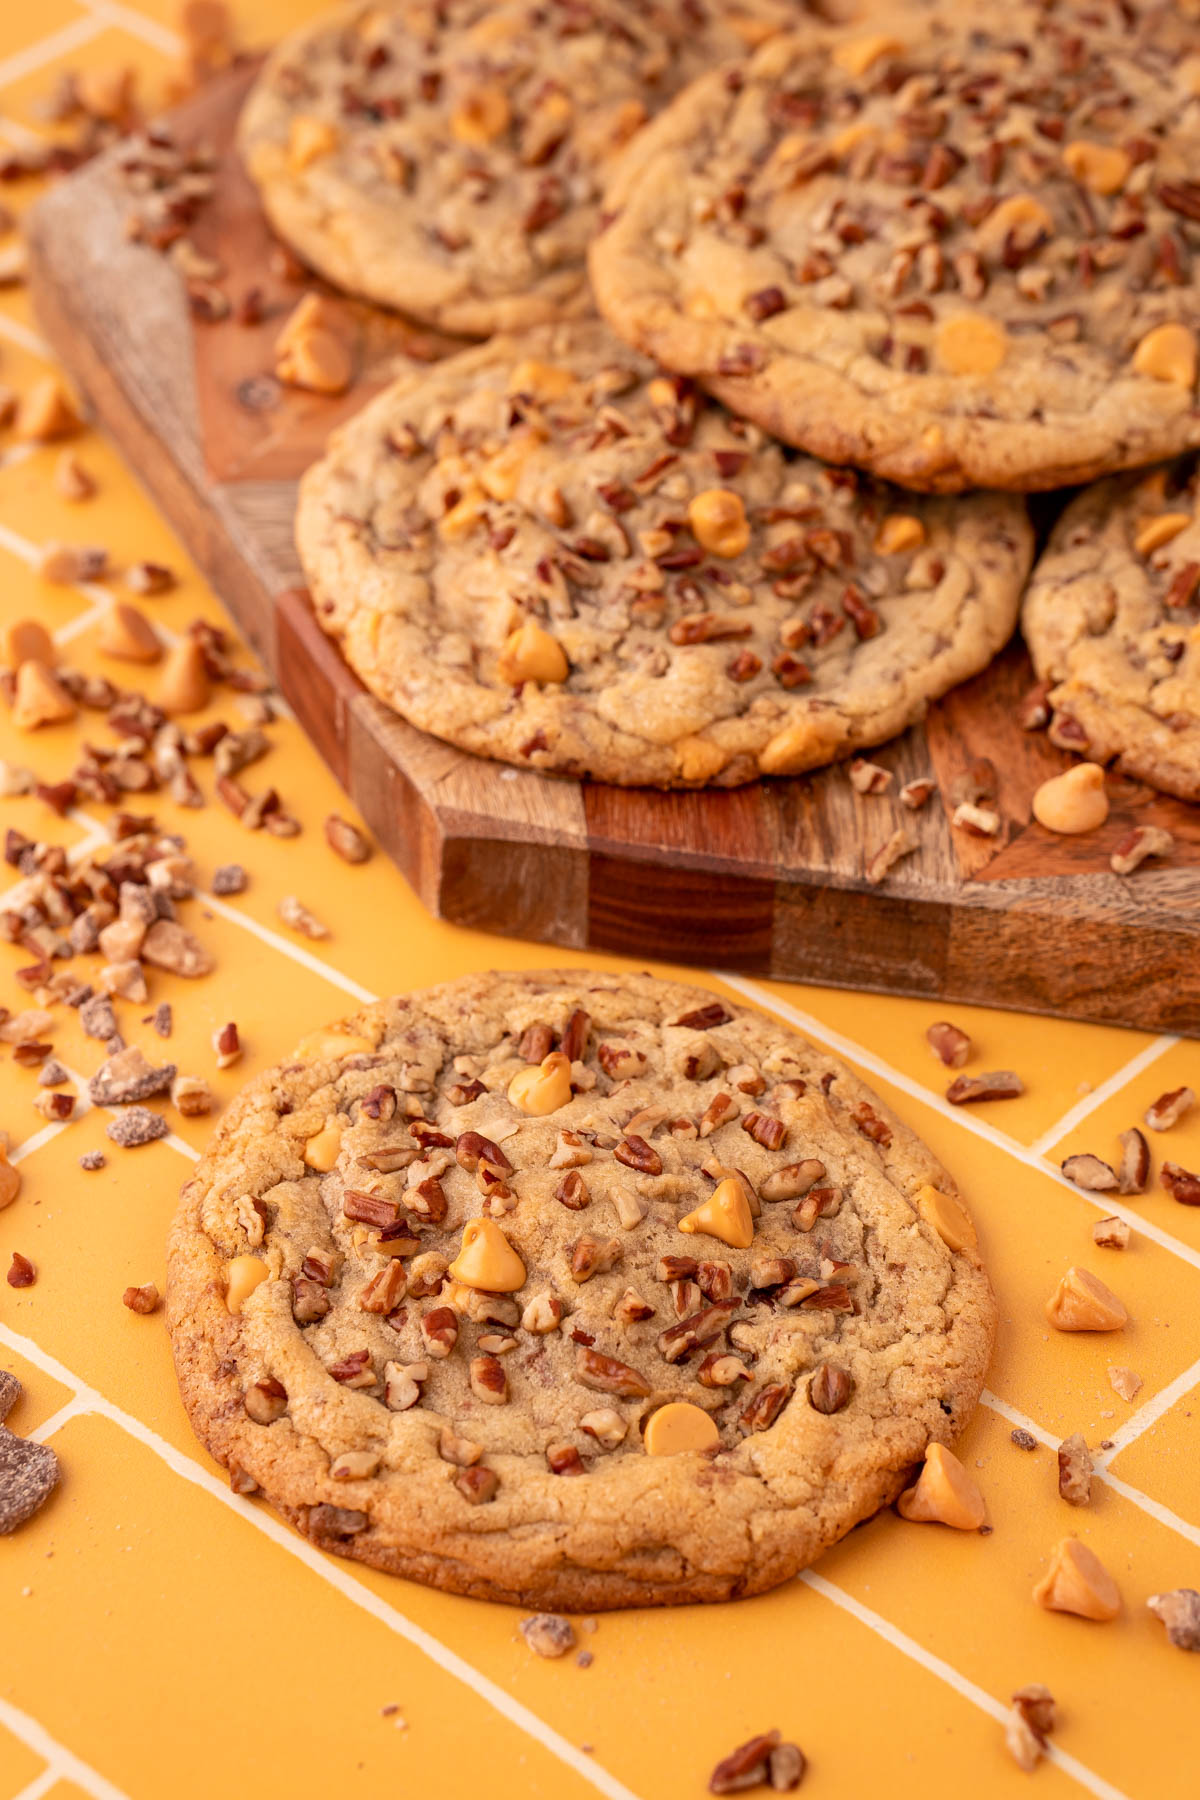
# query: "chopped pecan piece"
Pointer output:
{"type": "Point", "coordinates": [792, 1180]}
{"type": "Point", "coordinates": [951, 1046]}
{"type": "Point", "coordinates": [766, 1130]}
{"type": "Point", "coordinates": [1110, 1233]}
{"type": "Point", "coordinates": [818, 1203]}
{"type": "Point", "coordinates": [354, 1370]}
{"type": "Point", "coordinates": [998, 1084]}
{"type": "Point", "coordinates": [594, 1256]}
{"type": "Point", "coordinates": [830, 1389]}
{"type": "Point", "coordinates": [428, 1200]}
{"type": "Point", "coordinates": [676, 1268]}
{"type": "Point", "coordinates": [439, 1330]}
{"type": "Point", "coordinates": [477, 1485]}
{"type": "Point", "coordinates": [631, 1309]}
{"type": "Point", "coordinates": [704, 1018]}
{"type": "Point", "coordinates": [762, 1409]}
{"type": "Point", "coordinates": [1169, 1108]}
{"type": "Point", "coordinates": [678, 1341]}
{"type": "Point", "coordinates": [384, 1290]}
{"type": "Point", "coordinates": [871, 1125]}
{"type": "Point", "coordinates": [572, 1191]}
{"type": "Point", "coordinates": [771, 1271]}
{"type": "Point", "coordinates": [1088, 1171]}
{"type": "Point", "coordinates": [1180, 1183]}
{"type": "Point", "coordinates": [720, 1369]}
{"type": "Point", "coordinates": [336, 1522]}
{"type": "Point", "coordinates": [471, 1147]}
{"type": "Point", "coordinates": [637, 1154]}
{"type": "Point", "coordinates": [266, 1401]}
{"type": "Point", "coordinates": [309, 1300]}
{"type": "Point", "coordinates": [370, 1209]}
{"type": "Point", "coordinates": [536, 1043]}
{"type": "Point", "coordinates": [1133, 1170]}
{"type": "Point", "coordinates": [606, 1375]}
{"type": "Point", "coordinates": [575, 1035]}
{"type": "Point", "coordinates": [488, 1379]}
{"type": "Point", "coordinates": [1144, 840]}
{"type": "Point", "coordinates": [720, 1109]}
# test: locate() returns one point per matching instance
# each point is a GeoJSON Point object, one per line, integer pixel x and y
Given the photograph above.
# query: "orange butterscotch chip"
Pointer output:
{"type": "Point", "coordinates": [185, 684]}
{"type": "Point", "coordinates": [481, 116]}
{"type": "Point", "coordinates": [245, 1273]}
{"type": "Point", "coordinates": [680, 1426]}
{"type": "Point", "coordinates": [948, 1217]}
{"type": "Point", "coordinates": [1081, 1302]}
{"type": "Point", "coordinates": [725, 1215]}
{"type": "Point", "coordinates": [310, 351]}
{"type": "Point", "coordinates": [971, 344]}
{"type": "Point", "coordinates": [127, 634]}
{"type": "Point", "coordinates": [40, 699]}
{"type": "Point", "coordinates": [899, 532]}
{"type": "Point", "coordinates": [45, 413]}
{"type": "Point", "coordinates": [943, 1494]}
{"type": "Point", "coordinates": [308, 140]}
{"type": "Point", "coordinates": [718, 518]}
{"type": "Point", "coordinates": [1102, 168]}
{"type": "Point", "coordinates": [858, 54]}
{"type": "Point", "coordinates": [531, 654]}
{"type": "Point", "coordinates": [487, 1260]}
{"type": "Point", "coordinates": [27, 640]}
{"type": "Point", "coordinates": [1078, 1582]}
{"type": "Point", "coordinates": [322, 1149]}
{"type": "Point", "coordinates": [543, 1087]}
{"type": "Point", "coordinates": [1168, 353]}
{"type": "Point", "coordinates": [1152, 533]}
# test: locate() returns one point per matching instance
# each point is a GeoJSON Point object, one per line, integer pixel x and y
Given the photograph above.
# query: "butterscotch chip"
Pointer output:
{"type": "Point", "coordinates": [1082, 1302]}
{"type": "Point", "coordinates": [1077, 1582]}
{"type": "Point", "coordinates": [556, 1348]}
{"type": "Point", "coordinates": [27, 640]}
{"type": "Point", "coordinates": [45, 413]}
{"type": "Point", "coordinates": [40, 698]}
{"type": "Point", "coordinates": [938, 254]}
{"type": "Point", "coordinates": [127, 634]}
{"type": "Point", "coordinates": [72, 481]}
{"type": "Point", "coordinates": [185, 686]}
{"type": "Point", "coordinates": [463, 184]}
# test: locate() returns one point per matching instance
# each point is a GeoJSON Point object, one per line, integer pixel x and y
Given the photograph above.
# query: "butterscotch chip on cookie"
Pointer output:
{"type": "Point", "coordinates": [449, 159]}
{"type": "Point", "coordinates": [546, 551]}
{"type": "Point", "coordinates": [959, 252]}
{"type": "Point", "coordinates": [1112, 620]}
{"type": "Point", "coordinates": [434, 1353]}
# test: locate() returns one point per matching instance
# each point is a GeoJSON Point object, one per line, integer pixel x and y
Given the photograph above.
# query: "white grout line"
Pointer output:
{"type": "Point", "coordinates": [35, 1737]}
{"type": "Point", "coordinates": [60, 43]}
{"type": "Point", "coordinates": [111, 12]}
{"type": "Point", "coordinates": [25, 339]}
{"type": "Point", "coordinates": [41, 1784]}
{"type": "Point", "coordinates": [83, 621]}
{"type": "Point", "coordinates": [1104, 1091]}
{"type": "Point", "coordinates": [1144, 1502]}
{"type": "Point", "coordinates": [19, 134]}
{"type": "Point", "coordinates": [960, 1115]}
{"type": "Point", "coordinates": [1152, 1412]}
{"type": "Point", "coordinates": [296, 951]}
{"type": "Point", "coordinates": [90, 1401]}
{"type": "Point", "coordinates": [30, 553]}
{"type": "Point", "coordinates": [899, 1640]}
{"type": "Point", "coordinates": [71, 1409]}
{"type": "Point", "coordinates": [37, 1140]}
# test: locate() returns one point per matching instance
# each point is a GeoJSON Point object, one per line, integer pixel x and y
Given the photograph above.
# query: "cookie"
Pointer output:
{"type": "Point", "coordinates": [545, 551]}
{"type": "Point", "coordinates": [448, 160]}
{"type": "Point", "coordinates": [955, 252]}
{"type": "Point", "coordinates": [1112, 619]}
{"type": "Point", "coordinates": [579, 1290]}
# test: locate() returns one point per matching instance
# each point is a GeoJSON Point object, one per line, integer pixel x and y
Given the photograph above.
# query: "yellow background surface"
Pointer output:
{"type": "Point", "coordinates": [161, 1636]}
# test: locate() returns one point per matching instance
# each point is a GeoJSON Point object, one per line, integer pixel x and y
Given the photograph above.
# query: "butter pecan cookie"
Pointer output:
{"type": "Point", "coordinates": [448, 158]}
{"type": "Point", "coordinates": [547, 552]}
{"type": "Point", "coordinates": [1112, 619]}
{"type": "Point", "coordinates": [958, 252]}
{"type": "Point", "coordinates": [576, 1289]}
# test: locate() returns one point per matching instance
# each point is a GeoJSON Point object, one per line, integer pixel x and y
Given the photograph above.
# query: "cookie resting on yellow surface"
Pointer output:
{"type": "Point", "coordinates": [474, 1346]}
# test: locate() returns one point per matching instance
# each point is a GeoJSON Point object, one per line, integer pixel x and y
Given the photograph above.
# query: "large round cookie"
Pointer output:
{"type": "Point", "coordinates": [1112, 618]}
{"type": "Point", "coordinates": [544, 551]}
{"type": "Point", "coordinates": [959, 252]}
{"type": "Point", "coordinates": [491, 1442]}
{"type": "Point", "coordinates": [448, 158]}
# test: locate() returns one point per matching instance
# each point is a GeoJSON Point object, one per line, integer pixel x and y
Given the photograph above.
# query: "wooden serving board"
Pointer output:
{"type": "Point", "coordinates": [766, 879]}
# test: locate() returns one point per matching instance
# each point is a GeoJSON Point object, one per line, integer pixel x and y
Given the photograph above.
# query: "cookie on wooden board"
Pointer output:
{"type": "Point", "coordinates": [583, 1290]}
{"type": "Point", "coordinates": [448, 159]}
{"type": "Point", "coordinates": [960, 251]}
{"type": "Point", "coordinates": [545, 551]}
{"type": "Point", "coordinates": [1112, 619]}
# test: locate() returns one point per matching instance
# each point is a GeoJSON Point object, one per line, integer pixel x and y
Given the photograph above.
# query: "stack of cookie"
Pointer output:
{"type": "Point", "coordinates": [938, 252]}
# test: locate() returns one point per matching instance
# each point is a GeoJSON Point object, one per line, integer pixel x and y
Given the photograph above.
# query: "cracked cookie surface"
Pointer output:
{"type": "Point", "coordinates": [959, 252]}
{"type": "Point", "coordinates": [697, 1230]}
{"type": "Point", "coordinates": [448, 158]}
{"type": "Point", "coordinates": [1112, 619]}
{"type": "Point", "coordinates": [547, 552]}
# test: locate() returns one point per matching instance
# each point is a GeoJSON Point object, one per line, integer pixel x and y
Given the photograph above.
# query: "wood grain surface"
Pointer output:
{"type": "Point", "coordinates": [768, 879]}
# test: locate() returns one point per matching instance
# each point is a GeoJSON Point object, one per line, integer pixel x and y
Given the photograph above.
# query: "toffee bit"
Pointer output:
{"type": "Point", "coordinates": [91, 1160]}
{"type": "Point", "coordinates": [346, 840]}
{"type": "Point", "coordinates": [136, 1127]}
{"type": "Point", "coordinates": [144, 1300]}
{"type": "Point", "coordinates": [1024, 1440]}
{"type": "Point", "coordinates": [21, 1272]}
{"type": "Point", "coordinates": [230, 878]}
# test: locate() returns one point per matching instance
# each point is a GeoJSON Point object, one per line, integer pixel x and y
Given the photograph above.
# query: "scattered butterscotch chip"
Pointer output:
{"type": "Point", "coordinates": [1074, 801]}
{"type": "Point", "coordinates": [1075, 1470]}
{"type": "Point", "coordinates": [310, 352]}
{"type": "Point", "coordinates": [46, 413]}
{"type": "Point", "coordinates": [185, 685]}
{"type": "Point", "coordinates": [346, 840]}
{"type": "Point", "coordinates": [143, 1299]}
{"type": "Point", "coordinates": [28, 1472]}
{"type": "Point", "coordinates": [997, 1084]}
{"type": "Point", "coordinates": [27, 640]}
{"type": "Point", "coordinates": [951, 1046]}
{"type": "Point", "coordinates": [1024, 1440]}
{"type": "Point", "coordinates": [300, 919]}
{"type": "Point", "coordinates": [128, 635]}
{"type": "Point", "coordinates": [1125, 1382]}
{"type": "Point", "coordinates": [548, 1634]}
{"type": "Point", "coordinates": [943, 1494]}
{"type": "Point", "coordinates": [1110, 1233]}
{"type": "Point", "coordinates": [1169, 1108]}
{"type": "Point", "coordinates": [40, 698]}
{"type": "Point", "coordinates": [1179, 1611]}
{"type": "Point", "coordinates": [21, 1272]}
{"type": "Point", "coordinates": [1077, 1582]}
{"type": "Point", "coordinates": [1081, 1302]}
{"type": "Point", "coordinates": [71, 480]}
